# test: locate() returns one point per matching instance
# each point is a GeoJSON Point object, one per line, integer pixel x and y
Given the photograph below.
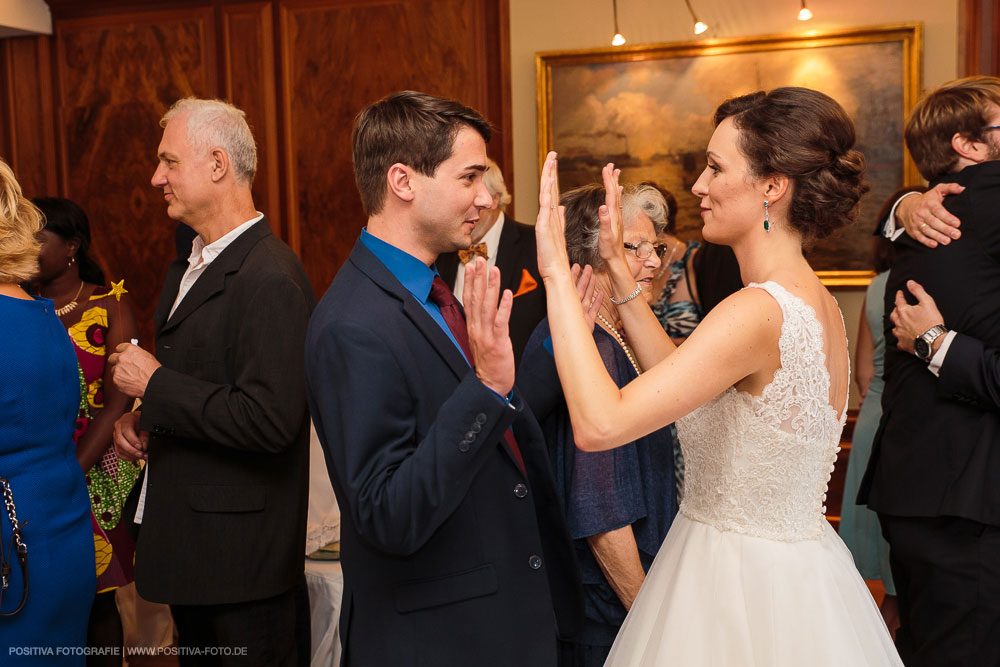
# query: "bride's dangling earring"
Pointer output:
{"type": "Point", "coordinates": [767, 218]}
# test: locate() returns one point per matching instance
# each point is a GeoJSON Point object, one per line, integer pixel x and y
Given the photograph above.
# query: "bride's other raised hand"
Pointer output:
{"type": "Point", "coordinates": [647, 338]}
{"type": "Point", "coordinates": [610, 243]}
{"type": "Point", "coordinates": [550, 225]}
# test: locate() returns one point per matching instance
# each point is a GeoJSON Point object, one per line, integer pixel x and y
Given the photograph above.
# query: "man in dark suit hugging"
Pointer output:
{"type": "Point", "coordinates": [223, 422]}
{"type": "Point", "coordinates": [510, 246]}
{"type": "Point", "coordinates": [935, 467]}
{"type": "Point", "coordinates": [454, 548]}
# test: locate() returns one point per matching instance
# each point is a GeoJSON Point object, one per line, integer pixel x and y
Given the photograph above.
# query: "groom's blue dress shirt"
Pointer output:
{"type": "Point", "coordinates": [413, 274]}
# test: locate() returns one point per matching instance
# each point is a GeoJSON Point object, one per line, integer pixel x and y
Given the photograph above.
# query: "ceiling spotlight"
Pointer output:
{"type": "Point", "coordinates": [619, 38]}
{"type": "Point", "coordinates": [804, 13]}
{"type": "Point", "coordinates": [699, 27]}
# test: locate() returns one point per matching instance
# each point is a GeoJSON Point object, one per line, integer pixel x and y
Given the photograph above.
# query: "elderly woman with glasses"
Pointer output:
{"type": "Point", "coordinates": [619, 503]}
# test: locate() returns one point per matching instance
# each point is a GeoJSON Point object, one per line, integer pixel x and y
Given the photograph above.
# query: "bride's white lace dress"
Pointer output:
{"type": "Point", "coordinates": [751, 572]}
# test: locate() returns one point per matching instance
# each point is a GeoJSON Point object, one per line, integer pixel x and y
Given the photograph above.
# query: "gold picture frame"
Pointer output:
{"type": "Point", "coordinates": [648, 108]}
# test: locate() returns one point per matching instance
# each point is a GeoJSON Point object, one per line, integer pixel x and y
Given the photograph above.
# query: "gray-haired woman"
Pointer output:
{"type": "Point", "coordinates": [619, 503]}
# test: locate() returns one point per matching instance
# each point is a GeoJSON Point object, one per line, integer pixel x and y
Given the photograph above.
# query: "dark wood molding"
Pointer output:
{"type": "Point", "coordinates": [75, 9]}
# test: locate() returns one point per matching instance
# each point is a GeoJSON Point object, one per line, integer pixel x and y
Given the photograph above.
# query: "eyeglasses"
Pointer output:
{"type": "Point", "coordinates": [646, 248]}
{"type": "Point", "coordinates": [991, 127]}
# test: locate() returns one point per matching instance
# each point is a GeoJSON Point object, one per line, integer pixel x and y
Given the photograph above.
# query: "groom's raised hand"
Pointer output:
{"type": "Point", "coordinates": [487, 320]}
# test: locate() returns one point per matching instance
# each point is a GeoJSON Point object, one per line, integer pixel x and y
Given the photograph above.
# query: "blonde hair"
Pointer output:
{"type": "Point", "coordinates": [20, 223]}
{"type": "Point", "coordinates": [493, 180]}
{"type": "Point", "coordinates": [212, 123]}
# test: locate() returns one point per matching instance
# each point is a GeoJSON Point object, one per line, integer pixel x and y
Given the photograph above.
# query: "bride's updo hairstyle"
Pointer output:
{"type": "Point", "coordinates": [808, 137]}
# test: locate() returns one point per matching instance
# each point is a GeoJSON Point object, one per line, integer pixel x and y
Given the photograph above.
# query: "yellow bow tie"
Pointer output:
{"type": "Point", "coordinates": [479, 249]}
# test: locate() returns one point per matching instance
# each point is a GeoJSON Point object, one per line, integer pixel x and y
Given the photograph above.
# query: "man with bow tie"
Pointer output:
{"type": "Point", "coordinates": [510, 246]}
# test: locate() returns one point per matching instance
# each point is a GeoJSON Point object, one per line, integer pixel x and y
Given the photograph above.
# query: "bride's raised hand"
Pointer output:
{"type": "Point", "coordinates": [610, 243]}
{"type": "Point", "coordinates": [550, 225]}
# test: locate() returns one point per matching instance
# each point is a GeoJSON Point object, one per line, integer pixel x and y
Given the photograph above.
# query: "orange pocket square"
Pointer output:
{"type": "Point", "coordinates": [528, 284]}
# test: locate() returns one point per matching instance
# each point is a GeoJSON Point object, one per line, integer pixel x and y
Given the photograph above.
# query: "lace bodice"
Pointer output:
{"type": "Point", "coordinates": [760, 465]}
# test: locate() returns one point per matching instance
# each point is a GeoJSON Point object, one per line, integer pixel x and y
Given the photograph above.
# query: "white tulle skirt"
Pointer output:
{"type": "Point", "coordinates": [723, 599]}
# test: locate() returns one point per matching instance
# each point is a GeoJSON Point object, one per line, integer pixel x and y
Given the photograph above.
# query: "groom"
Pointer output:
{"type": "Point", "coordinates": [455, 551]}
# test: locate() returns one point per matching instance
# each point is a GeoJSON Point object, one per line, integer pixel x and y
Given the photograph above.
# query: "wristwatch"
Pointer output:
{"type": "Point", "coordinates": [923, 346]}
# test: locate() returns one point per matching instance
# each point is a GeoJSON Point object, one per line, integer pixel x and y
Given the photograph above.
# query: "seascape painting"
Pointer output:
{"type": "Point", "coordinates": [650, 110]}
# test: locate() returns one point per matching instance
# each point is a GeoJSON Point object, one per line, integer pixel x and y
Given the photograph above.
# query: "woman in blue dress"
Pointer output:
{"type": "Point", "coordinates": [39, 397]}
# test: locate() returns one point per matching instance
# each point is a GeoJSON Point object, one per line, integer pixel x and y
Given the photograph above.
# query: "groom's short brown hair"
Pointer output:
{"type": "Point", "coordinates": [411, 128]}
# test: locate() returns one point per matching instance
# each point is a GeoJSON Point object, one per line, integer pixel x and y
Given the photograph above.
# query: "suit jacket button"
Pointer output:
{"type": "Point", "coordinates": [463, 446]}
{"type": "Point", "coordinates": [535, 562]}
{"type": "Point", "coordinates": [481, 418]}
{"type": "Point", "coordinates": [520, 490]}
{"type": "Point", "coordinates": [470, 436]}
{"type": "Point", "coordinates": [476, 428]}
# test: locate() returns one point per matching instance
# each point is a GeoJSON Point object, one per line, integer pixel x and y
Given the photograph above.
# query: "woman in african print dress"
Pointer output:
{"type": "Point", "coordinates": [95, 322]}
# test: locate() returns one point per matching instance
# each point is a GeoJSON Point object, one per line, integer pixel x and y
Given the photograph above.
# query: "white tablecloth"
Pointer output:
{"type": "Point", "coordinates": [325, 581]}
{"type": "Point", "coordinates": [323, 524]}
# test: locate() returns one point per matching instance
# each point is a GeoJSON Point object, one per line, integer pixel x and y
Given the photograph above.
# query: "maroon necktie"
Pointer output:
{"type": "Point", "coordinates": [455, 319]}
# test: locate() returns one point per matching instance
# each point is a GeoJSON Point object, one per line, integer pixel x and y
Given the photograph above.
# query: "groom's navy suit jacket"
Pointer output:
{"type": "Point", "coordinates": [451, 554]}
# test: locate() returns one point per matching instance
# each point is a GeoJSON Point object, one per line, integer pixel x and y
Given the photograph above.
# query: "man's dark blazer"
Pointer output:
{"type": "Point", "coordinates": [937, 450]}
{"type": "Point", "coordinates": [226, 502]}
{"type": "Point", "coordinates": [451, 555]}
{"type": "Point", "coordinates": [971, 372]}
{"type": "Point", "coordinates": [517, 253]}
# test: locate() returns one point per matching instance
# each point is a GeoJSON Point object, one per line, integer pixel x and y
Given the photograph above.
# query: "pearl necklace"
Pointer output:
{"type": "Point", "coordinates": [621, 341]}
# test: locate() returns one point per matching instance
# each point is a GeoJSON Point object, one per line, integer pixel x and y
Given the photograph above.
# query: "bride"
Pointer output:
{"type": "Point", "coordinates": [751, 573]}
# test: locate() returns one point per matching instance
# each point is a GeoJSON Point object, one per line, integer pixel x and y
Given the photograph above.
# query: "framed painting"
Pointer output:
{"type": "Point", "coordinates": [649, 110]}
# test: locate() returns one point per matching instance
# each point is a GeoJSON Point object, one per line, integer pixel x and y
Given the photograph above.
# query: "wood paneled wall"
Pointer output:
{"type": "Point", "coordinates": [979, 37]}
{"type": "Point", "coordinates": [437, 53]}
{"type": "Point", "coordinates": [27, 130]}
{"type": "Point", "coordinates": [79, 111]}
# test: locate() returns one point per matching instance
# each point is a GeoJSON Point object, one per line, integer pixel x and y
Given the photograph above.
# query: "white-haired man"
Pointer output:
{"type": "Point", "coordinates": [223, 423]}
{"type": "Point", "coordinates": [510, 246]}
